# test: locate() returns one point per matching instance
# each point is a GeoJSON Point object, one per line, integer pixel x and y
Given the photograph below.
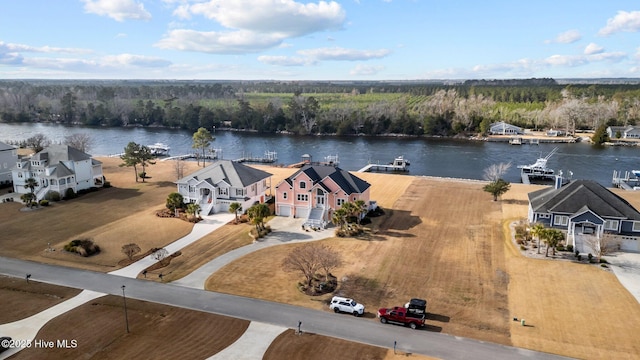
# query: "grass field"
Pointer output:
{"type": "Point", "coordinates": [442, 240]}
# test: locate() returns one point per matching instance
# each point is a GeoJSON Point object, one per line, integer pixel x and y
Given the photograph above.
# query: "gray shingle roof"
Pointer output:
{"type": "Point", "coordinates": [4, 147]}
{"type": "Point", "coordinates": [57, 153]}
{"type": "Point", "coordinates": [345, 180]}
{"type": "Point", "coordinates": [578, 194]}
{"type": "Point", "coordinates": [236, 174]}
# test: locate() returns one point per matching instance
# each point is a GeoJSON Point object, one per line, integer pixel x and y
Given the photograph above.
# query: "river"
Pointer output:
{"type": "Point", "coordinates": [433, 157]}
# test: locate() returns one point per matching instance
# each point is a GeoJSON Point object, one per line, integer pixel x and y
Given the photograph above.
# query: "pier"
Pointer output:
{"type": "Point", "coordinates": [398, 164]}
{"type": "Point", "coordinates": [625, 182]}
{"type": "Point", "coordinates": [211, 156]}
{"type": "Point", "coordinates": [269, 157]}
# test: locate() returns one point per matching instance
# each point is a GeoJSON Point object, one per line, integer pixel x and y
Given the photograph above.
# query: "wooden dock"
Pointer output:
{"type": "Point", "coordinates": [269, 157]}
{"type": "Point", "coordinates": [399, 164]}
{"type": "Point", "coordinates": [191, 156]}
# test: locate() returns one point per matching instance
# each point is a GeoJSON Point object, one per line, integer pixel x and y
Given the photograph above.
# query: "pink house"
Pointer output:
{"type": "Point", "coordinates": [315, 191]}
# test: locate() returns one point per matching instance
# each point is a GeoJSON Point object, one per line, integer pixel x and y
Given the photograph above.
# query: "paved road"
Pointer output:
{"type": "Point", "coordinates": [367, 331]}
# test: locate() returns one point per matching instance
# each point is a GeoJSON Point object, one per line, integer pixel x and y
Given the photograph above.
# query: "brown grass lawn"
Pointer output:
{"type": "Point", "coordinates": [112, 217]}
{"type": "Point", "coordinates": [442, 240]}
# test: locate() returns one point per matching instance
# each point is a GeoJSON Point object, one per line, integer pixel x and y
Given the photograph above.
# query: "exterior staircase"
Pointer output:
{"type": "Point", "coordinates": [316, 218]}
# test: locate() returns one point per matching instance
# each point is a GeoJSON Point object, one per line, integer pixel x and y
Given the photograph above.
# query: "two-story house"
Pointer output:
{"type": "Point", "coordinates": [8, 158]}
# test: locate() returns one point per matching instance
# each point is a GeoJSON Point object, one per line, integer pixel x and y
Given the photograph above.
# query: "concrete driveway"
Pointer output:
{"type": "Point", "coordinates": [626, 266]}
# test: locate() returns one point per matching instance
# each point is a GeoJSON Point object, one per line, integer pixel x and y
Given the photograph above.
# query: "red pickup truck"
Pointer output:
{"type": "Point", "coordinates": [399, 315]}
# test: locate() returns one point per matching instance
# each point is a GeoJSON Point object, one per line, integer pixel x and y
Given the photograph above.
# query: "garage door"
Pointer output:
{"type": "Point", "coordinates": [302, 212]}
{"type": "Point", "coordinates": [284, 210]}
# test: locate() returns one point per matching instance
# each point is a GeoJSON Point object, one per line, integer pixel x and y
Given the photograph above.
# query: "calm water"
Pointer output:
{"type": "Point", "coordinates": [433, 157]}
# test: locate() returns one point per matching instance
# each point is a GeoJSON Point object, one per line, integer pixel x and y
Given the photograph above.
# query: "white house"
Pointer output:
{"type": "Point", "coordinates": [224, 182]}
{"type": "Point", "coordinates": [57, 168]}
{"type": "Point", "coordinates": [8, 157]}
{"type": "Point", "coordinates": [502, 128]}
{"type": "Point", "coordinates": [625, 132]}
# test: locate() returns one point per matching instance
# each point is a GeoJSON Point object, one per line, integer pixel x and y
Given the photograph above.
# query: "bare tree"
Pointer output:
{"type": "Point", "coordinates": [80, 141]}
{"type": "Point", "coordinates": [496, 171]}
{"type": "Point", "coordinates": [329, 260]}
{"type": "Point", "coordinates": [160, 254]}
{"type": "Point", "coordinates": [178, 166]}
{"type": "Point", "coordinates": [130, 250]}
{"type": "Point", "coordinates": [303, 259]}
{"type": "Point", "coordinates": [603, 245]}
{"type": "Point", "coordinates": [38, 142]}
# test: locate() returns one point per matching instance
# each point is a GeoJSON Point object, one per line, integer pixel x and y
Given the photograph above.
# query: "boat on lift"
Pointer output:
{"type": "Point", "coordinates": [159, 149]}
{"type": "Point", "coordinates": [539, 168]}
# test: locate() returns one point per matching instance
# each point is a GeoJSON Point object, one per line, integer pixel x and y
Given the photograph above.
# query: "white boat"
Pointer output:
{"type": "Point", "coordinates": [539, 168]}
{"type": "Point", "coordinates": [636, 173]}
{"type": "Point", "coordinates": [515, 141]}
{"type": "Point", "coordinates": [159, 149]}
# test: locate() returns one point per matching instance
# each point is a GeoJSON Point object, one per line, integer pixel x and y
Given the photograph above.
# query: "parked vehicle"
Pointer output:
{"type": "Point", "coordinates": [416, 306]}
{"type": "Point", "coordinates": [346, 305]}
{"type": "Point", "coordinates": [400, 315]}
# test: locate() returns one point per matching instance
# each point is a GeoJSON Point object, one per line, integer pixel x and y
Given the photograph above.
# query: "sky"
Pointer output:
{"type": "Point", "coordinates": [318, 40]}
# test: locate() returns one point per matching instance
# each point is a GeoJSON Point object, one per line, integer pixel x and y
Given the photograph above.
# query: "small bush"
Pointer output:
{"type": "Point", "coordinates": [44, 202]}
{"type": "Point", "coordinates": [570, 248]}
{"type": "Point", "coordinates": [522, 247]}
{"type": "Point", "coordinates": [579, 257]}
{"type": "Point", "coordinates": [560, 247]}
{"type": "Point", "coordinates": [590, 256]}
{"type": "Point", "coordinates": [603, 261]}
{"type": "Point", "coordinates": [70, 194]}
{"type": "Point", "coordinates": [106, 184]}
{"type": "Point", "coordinates": [83, 247]}
{"type": "Point", "coordinates": [604, 265]}
{"type": "Point", "coordinates": [577, 253]}
{"type": "Point", "coordinates": [53, 196]}
{"type": "Point", "coordinates": [520, 241]}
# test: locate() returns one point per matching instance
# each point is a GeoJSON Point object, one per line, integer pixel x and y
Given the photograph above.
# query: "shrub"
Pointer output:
{"type": "Point", "coordinates": [603, 261]}
{"type": "Point", "coordinates": [70, 194]}
{"type": "Point", "coordinates": [590, 256]}
{"type": "Point", "coordinates": [577, 253]}
{"type": "Point", "coordinates": [579, 257]}
{"type": "Point", "coordinates": [106, 184]}
{"type": "Point", "coordinates": [83, 247]}
{"type": "Point", "coordinates": [604, 265]}
{"type": "Point", "coordinates": [560, 247]}
{"type": "Point", "coordinates": [52, 196]}
{"type": "Point", "coordinates": [570, 248]}
{"type": "Point", "coordinates": [522, 247]}
{"type": "Point", "coordinates": [44, 202]}
{"type": "Point", "coordinates": [519, 241]}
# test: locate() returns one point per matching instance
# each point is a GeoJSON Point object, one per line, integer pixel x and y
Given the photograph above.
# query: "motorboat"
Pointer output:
{"type": "Point", "coordinates": [159, 149]}
{"type": "Point", "coordinates": [539, 168]}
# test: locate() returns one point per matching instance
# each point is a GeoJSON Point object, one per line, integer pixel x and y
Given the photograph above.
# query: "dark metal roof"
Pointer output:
{"type": "Point", "coordinates": [344, 179]}
{"type": "Point", "coordinates": [577, 195]}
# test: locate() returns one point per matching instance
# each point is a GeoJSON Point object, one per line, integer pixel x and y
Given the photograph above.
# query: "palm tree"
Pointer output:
{"type": "Point", "coordinates": [193, 208]}
{"type": "Point", "coordinates": [536, 231]}
{"type": "Point", "coordinates": [257, 213]}
{"type": "Point", "coordinates": [552, 238]}
{"type": "Point", "coordinates": [360, 208]}
{"type": "Point", "coordinates": [339, 218]}
{"type": "Point", "coordinates": [234, 207]}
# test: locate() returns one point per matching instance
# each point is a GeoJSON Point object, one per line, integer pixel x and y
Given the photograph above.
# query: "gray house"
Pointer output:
{"type": "Point", "coordinates": [223, 182]}
{"type": "Point", "coordinates": [587, 212]}
{"type": "Point", "coordinates": [502, 128]}
{"type": "Point", "coordinates": [8, 158]}
{"type": "Point", "coordinates": [626, 132]}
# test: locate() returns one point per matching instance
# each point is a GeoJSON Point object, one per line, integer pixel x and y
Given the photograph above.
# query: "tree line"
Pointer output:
{"type": "Point", "coordinates": [331, 108]}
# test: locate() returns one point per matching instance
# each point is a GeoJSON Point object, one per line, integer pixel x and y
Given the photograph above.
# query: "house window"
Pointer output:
{"type": "Point", "coordinates": [284, 195]}
{"type": "Point", "coordinates": [611, 224]}
{"type": "Point", "coordinates": [636, 226]}
{"type": "Point", "coordinates": [340, 202]}
{"type": "Point", "coordinates": [20, 175]}
{"type": "Point", "coordinates": [239, 192]}
{"type": "Point", "coordinates": [192, 189]}
{"type": "Point", "coordinates": [303, 197]}
{"type": "Point", "coordinates": [223, 191]}
{"type": "Point", "coordinates": [562, 220]}
{"type": "Point", "coordinates": [303, 184]}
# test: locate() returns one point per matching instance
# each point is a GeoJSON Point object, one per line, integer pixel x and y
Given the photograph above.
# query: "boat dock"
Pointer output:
{"type": "Point", "coordinates": [211, 156]}
{"type": "Point", "coordinates": [625, 182]}
{"type": "Point", "coordinates": [269, 157]}
{"type": "Point", "coordinates": [398, 164]}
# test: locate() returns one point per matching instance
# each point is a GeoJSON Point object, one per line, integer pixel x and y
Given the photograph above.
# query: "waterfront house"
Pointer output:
{"type": "Point", "coordinates": [57, 168]}
{"type": "Point", "coordinates": [502, 128]}
{"type": "Point", "coordinates": [224, 182]}
{"type": "Point", "coordinates": [625, 132]}
{"type": "Point", "coordinates": [8, 158]}
{"type": "Point", "coordinates": [586, 211]}
{"type": "Point", "coordinates": [315, 191]}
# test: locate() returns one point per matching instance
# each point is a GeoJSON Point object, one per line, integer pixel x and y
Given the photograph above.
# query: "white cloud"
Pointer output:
{"type": "Point", "coordinates": [119, 10]}
{"type": "Point", "coordinates": [338, 53]}
{"type": "Point", "coordinates": [212, 42]}
{"type": "Point", "coordinates": [623, 21]}
{"type": "Point", "coordinates": [566, 37]}
{"type": "Point", "coordinates": [284, 17]}
{"type": "Point", "coordinates": [366, 70]}
{"type": "Point", "coordinates": [593, 48]}
{"type": "Point", "coordinates": [285, 60]}
{"type": "Point", "coordinates": [135, 60]}
{"type": "Point", "coordinates": [10, 47]}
